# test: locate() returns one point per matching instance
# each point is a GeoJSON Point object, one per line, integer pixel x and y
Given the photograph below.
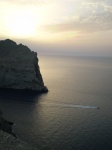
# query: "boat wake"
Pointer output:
{"type": "Point", "coordinates": [70, 105]}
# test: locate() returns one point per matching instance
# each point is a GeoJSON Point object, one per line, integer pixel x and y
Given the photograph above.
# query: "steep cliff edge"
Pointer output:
{"type": "Point", "coordinates": [19, 67]}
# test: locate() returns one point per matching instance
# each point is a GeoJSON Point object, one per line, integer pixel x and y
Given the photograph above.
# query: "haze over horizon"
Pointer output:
{"type": "Point", "coordinates": [69, 27]}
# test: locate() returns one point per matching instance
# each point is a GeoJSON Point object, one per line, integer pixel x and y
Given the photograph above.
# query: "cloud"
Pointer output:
{"type": "Point", "coordinates": [93, 16]}
{"type": "Point", "coordinates": [98, 5]}
{"type": "Point", "coordinates": [25, 2]}
{"type": "Point", "coordinates": [92, 23]}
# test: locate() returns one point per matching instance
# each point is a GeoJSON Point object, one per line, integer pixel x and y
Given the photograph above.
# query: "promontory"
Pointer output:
{"type": "Point", "coordinates": [19, 68]}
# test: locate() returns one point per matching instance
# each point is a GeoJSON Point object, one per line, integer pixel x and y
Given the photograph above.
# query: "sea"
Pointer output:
{"type": "Point", "coordinates": [76, 113]}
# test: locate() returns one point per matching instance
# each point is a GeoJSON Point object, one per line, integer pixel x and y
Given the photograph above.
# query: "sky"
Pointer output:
{"type": "Point", "coordinates": [59, 27]}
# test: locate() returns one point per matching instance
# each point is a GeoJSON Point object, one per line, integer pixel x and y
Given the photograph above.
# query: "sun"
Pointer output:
{"type": "Point", "coordinates": [22, 25]}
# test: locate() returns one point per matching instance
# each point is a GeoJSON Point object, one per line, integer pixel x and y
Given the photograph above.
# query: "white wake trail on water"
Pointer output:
{"type": "Point", "coordinates": [70, 105]}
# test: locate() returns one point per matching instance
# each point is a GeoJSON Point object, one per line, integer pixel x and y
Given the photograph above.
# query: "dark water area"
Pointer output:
{"type": "Point", "coordinates": [76, 112]}
{"type": "Point", "coordinates": [18, 95]}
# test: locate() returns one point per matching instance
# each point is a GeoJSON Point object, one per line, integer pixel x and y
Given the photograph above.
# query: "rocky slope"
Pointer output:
{"type": "Point", "coordinates": [19, 68]}
{"type": "Point", "coordinates": [8, 140]}
{"type": "Point", "coordinates": [6, 125]}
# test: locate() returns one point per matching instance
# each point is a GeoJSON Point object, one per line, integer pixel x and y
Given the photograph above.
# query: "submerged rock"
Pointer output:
{"type": "Point", "coordinates": [19, 68]}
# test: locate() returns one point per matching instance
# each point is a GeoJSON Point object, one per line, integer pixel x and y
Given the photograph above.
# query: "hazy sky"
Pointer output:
{"type": "Point", "coordinates": [77, 27]}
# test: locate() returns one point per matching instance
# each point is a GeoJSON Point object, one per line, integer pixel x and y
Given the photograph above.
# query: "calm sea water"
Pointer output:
{"type": "Point", "coordinates": [67, 118]}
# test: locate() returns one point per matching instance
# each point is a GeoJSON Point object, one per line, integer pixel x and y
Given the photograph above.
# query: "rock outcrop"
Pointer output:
{"type": "Point", "coordinates": [19, 68]}
{"type": "Point", "coordinates": [6, 125]}
{"type": "Point", "coordinates": [8, 140]}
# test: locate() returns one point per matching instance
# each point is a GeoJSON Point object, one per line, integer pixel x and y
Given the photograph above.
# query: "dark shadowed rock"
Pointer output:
{"type": "Point", "coordinates": [8, 140]}
{"type": "Point", "coordinates": [6, 125]}
{"type": "Point", "coordinates": [19, 68]}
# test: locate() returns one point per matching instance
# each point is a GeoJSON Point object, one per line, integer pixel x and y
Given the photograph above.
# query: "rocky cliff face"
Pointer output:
{"type": "Point", "coordinates": [19, 67]}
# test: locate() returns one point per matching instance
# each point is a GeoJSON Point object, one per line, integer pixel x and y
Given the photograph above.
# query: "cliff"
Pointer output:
{"type": "Point", "coordinates": [19, 68]}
